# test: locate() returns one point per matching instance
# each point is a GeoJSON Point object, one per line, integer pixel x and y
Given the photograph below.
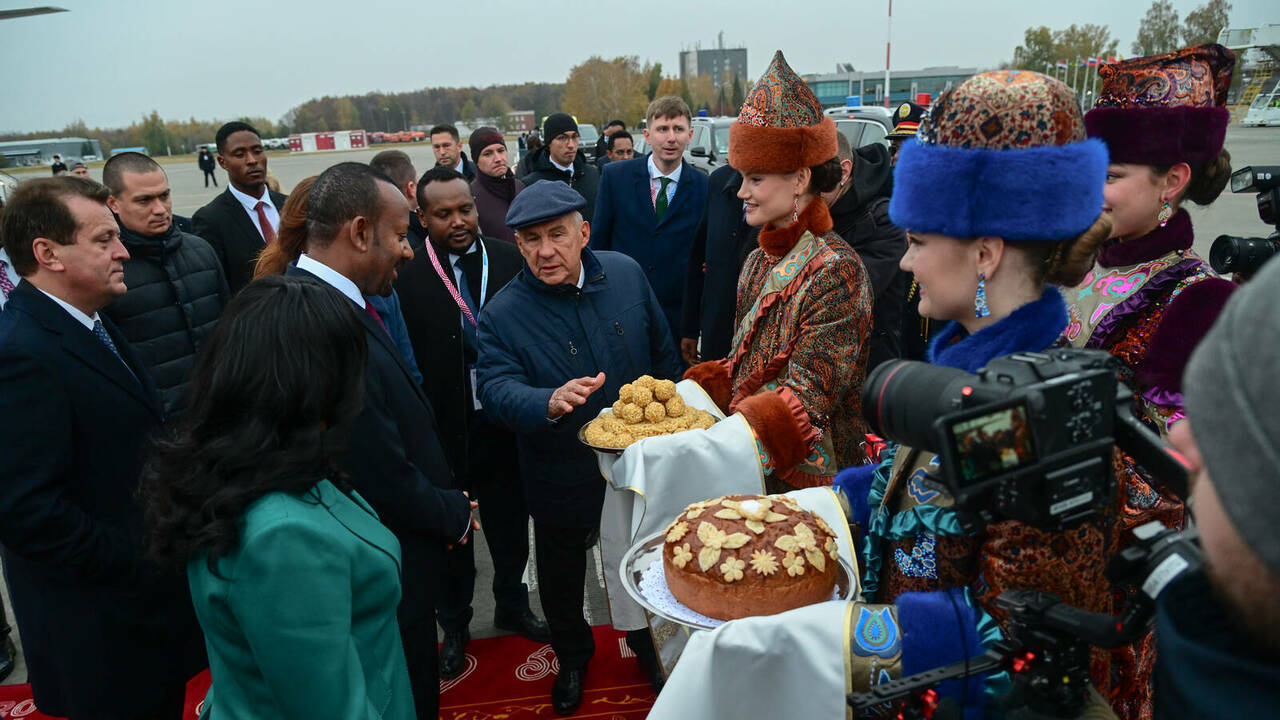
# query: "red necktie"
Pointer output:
{"type": "Point", "coordinates": [268, 232]}
{"type": "Point", "coordinates": [369, 309]}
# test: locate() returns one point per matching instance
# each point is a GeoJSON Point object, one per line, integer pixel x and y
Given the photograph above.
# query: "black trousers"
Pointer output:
{"type": "Point", "coordinates": [562, 572]}
{"type": "Point", "coordinates": [493, 481]}
{"type": "Point", "coordinates": [208, 175]}
{"type": "Point", "coordinates": [420, 652]}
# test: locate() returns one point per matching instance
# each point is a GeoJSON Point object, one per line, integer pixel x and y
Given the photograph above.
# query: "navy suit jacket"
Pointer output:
{"type": "Point", "coordinates": [397, 464]}
{"type": "Point", "coordinates": [626, 222]}
{"type": "Point", "coordinates": [105, 633]}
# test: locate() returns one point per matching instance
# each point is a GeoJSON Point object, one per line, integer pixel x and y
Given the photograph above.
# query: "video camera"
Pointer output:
{"type": "Point", "coordinates": [1028, 438]}
{"type": "Point", "coordinates": [1245, 255]}
{"type": "Point", "coordinates": [1047, 651]}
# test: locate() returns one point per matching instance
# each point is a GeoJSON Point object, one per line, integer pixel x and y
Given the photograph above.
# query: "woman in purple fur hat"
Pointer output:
{"type": "Point", "coordinates": [1150, 297]}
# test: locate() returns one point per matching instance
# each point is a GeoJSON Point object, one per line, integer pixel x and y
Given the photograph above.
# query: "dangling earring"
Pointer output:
{"type": "Point", "coordinates": [1166, 212]}
{"type": "Point", "coordinates": [980, 300]}
{"type": "Point", "coordinates": [795, 209]}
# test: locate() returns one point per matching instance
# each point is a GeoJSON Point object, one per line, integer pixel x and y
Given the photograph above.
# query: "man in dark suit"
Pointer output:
{"type": "Point", "coordinates": [357, 221]}
{"type": "Point", "coordinates": [442, 293]}
{"type": "Point", "coordinates": [245, 218]}
{"type": "Point", "coordinates": [720, 247]}
{"type": "Point", "coordinates": [105, 633]}
{"type": "Point", "coordinates": [650, 207]}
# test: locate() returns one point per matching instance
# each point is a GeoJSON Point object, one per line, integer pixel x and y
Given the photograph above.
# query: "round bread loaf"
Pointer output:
{"type": "Point", "coordinates": [742, 555]}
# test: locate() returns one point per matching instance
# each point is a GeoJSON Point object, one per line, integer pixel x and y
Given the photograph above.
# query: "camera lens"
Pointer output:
{"type": "Point", "coordinates": [1230, 254]}
{"type": "Point", "coordinates": [902, 398]}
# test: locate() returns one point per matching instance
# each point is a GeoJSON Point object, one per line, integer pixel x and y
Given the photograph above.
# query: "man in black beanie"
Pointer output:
{"type": "Point", "coordinates": [559, 159]}
{"type": "Point", "coordinates": [1218, 634]}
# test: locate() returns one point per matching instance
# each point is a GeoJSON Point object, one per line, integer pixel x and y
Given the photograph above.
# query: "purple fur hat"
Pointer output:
{"type": "Point", "coordinates": [1164, 109]}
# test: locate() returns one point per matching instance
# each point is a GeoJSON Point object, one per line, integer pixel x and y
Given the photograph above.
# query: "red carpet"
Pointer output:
{"type": "Point", "coordinates": [505, 677]}
{"type": "Point", "coordinates": [510, 677]}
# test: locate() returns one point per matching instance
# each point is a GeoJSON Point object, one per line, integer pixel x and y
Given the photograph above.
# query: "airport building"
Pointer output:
{"type": "Point", "coordinates": [719, 62]}
{"type": "Point", "coordinates": [834, 89]}
{"type": "Point", "coordinates": [41, 152]}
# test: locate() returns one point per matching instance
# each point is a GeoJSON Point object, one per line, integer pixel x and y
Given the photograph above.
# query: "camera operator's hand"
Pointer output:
{"type": "Point", "coordinates": [572, 394]}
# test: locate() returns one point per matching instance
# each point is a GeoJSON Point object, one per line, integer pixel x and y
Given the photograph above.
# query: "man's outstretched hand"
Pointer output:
{"type": "Point", "coordinates": [572, 394]}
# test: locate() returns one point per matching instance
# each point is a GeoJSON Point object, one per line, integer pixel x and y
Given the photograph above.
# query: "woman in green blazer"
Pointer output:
{"type": "Point", "coordinates": [293, 578]}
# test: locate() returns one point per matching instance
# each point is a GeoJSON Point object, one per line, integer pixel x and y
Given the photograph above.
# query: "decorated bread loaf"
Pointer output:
{"type": "Point", "coordinates": [742, 555]}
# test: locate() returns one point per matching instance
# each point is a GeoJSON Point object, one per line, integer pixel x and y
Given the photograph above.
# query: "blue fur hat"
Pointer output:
{"type": "Point", "coordinates": [1004, 154]}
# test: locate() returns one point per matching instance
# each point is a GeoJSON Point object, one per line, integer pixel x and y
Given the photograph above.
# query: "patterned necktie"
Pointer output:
{"type": "Point", "coordinates": [100, 332]}
{"type": "Point", "coordinates": [660, 202]}
{"type": "Point", "coordinates": [268, 232]}
{"type": "Point", "coordinates": [6, 285]}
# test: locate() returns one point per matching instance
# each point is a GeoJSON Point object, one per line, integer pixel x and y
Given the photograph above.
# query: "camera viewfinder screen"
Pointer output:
{"type": "Point", "coordinates": [992, 444]}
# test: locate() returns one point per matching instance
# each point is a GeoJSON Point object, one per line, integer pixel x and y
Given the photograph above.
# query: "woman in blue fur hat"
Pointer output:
{"type": "Point", "coordinates": [1001, 194]}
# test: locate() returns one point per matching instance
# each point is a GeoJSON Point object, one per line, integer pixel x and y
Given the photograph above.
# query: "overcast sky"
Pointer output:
{"type": "Point", "coordinates": [109, 63]}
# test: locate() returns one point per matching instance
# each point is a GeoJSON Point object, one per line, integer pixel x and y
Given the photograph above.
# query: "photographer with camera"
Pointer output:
{"type": "Point", "coordinates": [986, 253]}
{"type": "Point", "coordinates": [1219, 639]}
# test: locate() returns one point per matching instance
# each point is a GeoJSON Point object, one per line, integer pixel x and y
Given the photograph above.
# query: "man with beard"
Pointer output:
{"type": "Point", "coordinates": [495, 186]}
{"type": "Point", "coordinates": [1218, 634]}
{"type": "Point", "coordinates": [444, 290]}
{"type": "Point", "coordinates": [357, 224]}
{"type": "Point", "coordinates": [176, 287]}
{"type": "Point", "coordinates": [559, 159]}
{"type": "Point", "coordinates": [244, 218]}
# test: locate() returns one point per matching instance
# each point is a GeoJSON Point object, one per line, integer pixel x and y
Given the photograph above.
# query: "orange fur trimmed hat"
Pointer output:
{"type": "Point", "coordinates": [781, 127]}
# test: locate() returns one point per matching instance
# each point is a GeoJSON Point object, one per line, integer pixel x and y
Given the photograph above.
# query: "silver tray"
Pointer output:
{"type": "Point", "coordinates": [644, 553]}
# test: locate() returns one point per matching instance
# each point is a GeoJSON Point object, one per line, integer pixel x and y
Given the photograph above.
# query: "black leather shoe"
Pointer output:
{"type": "Point", "coordinates": [525, 623]}
{"type": "Point", "coordinates": [566, 693]}
{"type": "Point", "coordinates": [453, 654]}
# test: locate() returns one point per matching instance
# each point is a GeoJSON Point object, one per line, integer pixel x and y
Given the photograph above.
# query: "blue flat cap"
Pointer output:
{"type": "Point", "coordinates": [543, 201]}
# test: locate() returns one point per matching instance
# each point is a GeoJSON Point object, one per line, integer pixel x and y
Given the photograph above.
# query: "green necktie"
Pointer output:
{"type": "Point", "coordinates": [660, 202]}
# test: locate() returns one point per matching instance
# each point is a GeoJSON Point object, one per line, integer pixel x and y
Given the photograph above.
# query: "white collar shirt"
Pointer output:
{"type": "Point", "coordinates": [655, 176]}
{"type": "Point", "coordinates": [457, 268]}
{"type": "Point", "coordinates": [563, 168]}
{"type": "Point", "coordinates": [331, 277]}
{"type": "Point", "coordinates": [250, 205]}
{"type": "Point", "coordinates": [73, 311]}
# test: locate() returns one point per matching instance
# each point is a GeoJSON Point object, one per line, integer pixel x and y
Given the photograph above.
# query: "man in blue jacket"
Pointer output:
{"type": "Point", "coordinates": [556, 344]}
{"type": "Point", "coordinates": [649, 208]}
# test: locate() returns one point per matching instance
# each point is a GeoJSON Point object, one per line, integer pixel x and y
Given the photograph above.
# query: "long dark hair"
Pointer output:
{"type": "Point", "coordinates": [273, 395]}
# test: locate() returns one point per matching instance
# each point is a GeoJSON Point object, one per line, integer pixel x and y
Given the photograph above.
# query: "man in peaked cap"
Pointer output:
{"type": "Point", "coordinates": [906, 123]}
{"type": "Point", "coordinates": [555, 346]}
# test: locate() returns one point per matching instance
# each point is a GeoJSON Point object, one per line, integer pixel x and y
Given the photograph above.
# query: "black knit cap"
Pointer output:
{"type": "Point", "coordinates": [557, 123]}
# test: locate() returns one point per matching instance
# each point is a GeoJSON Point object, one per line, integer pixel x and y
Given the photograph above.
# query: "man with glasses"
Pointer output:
{"type": "Point", "coordinates": [560, 160]}
{"type": "Point", "coordinates": [555, 347]}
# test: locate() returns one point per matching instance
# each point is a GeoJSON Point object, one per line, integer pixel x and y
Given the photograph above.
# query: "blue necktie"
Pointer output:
{"type": "Point", "coordinates": [464, 289]}
{"type": "Point", "coordinates": [100, 332]}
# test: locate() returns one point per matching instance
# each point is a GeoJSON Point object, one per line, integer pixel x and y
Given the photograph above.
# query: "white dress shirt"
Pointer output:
{"type": "Point", "coordinates": [74, 311]}
{"type": "Point", "coordinates": [457, 269]}
{"type": "Point", "coordinates": [250, 204]}
{"type": "Point", "coordinates": [654, 183]}
{"type": "Point", "coordinates": [568, 169]}
{"type": "Point", "coordinates": [14, 277]}
{"type": "Point", "coordinates": [331, 277]}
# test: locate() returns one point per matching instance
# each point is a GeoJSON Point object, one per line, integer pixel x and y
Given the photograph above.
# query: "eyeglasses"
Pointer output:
{"type": "Point", "coordinates": [567, 136]}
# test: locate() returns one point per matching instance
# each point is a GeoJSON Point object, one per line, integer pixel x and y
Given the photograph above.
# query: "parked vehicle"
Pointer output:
{"type": "Point", "coordinates": [1264, 110]}
{"type": "Point", "coordinates": [863, 130]}
{"type": "Point", "coordinates": [709, 148]}
{"type": "Point", "coordinates": [588, 135]}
